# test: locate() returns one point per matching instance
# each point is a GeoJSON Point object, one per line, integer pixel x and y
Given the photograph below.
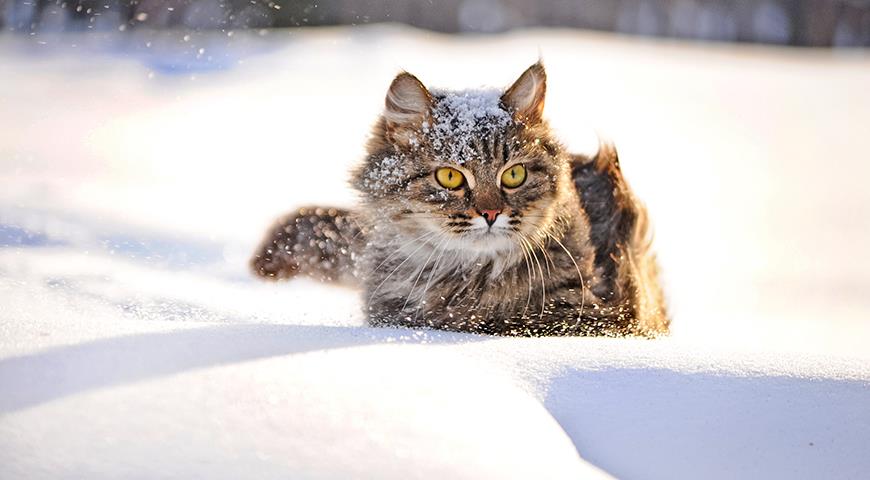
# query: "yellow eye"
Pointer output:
{"type": "Point", "coordinates": [449, 178]}
{"type": "Point", "coordinates": [514, 176]}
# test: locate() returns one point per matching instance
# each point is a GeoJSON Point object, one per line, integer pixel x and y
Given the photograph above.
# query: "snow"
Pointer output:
{"type": "Point", "coordinates": [385, 174]}
{"type": "Point", "coordinates": [461, 116]}
{"type": "Point", "coordinates": [134, 343]}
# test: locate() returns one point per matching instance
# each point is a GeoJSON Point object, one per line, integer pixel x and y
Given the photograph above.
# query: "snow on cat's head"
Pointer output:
{"type": "Point", "coordinates": [476, 170]}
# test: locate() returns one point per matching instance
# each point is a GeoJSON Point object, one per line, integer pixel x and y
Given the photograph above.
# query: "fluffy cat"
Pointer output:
{"type": "Point", "coordinates": [474, 218]}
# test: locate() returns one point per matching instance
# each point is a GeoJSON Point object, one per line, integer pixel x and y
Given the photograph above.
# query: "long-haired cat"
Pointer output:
{"type": "Point", "coordinates": [474, 218]}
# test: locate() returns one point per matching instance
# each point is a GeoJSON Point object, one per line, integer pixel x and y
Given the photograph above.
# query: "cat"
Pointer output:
{"type": "Point", "coordinates": [474, 218]}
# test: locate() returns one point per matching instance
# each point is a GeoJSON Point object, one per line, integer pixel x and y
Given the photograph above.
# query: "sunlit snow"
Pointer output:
{"type": "Point", "coordinates": [135, 344]}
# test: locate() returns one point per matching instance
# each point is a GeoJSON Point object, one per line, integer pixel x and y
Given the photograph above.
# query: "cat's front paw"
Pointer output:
{"type": "Point", "coordinates": [275, 258]}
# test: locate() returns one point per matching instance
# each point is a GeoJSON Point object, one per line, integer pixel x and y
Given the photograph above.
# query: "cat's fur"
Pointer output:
{"type": "Point", "coordinates": [569, 253]}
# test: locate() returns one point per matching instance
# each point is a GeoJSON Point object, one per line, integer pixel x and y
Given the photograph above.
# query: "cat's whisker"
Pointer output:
{"type": "Point", "coordinates": [543, 284]}
{"type": "Point", "coordinates": [416, 277]}
{"type": "Point", "coordinates": [399, 249]}
{"type": "Point", "coordinates": [582, 283]}
{"type": "Point", "coordinates": [528, 277]}
{"type": "Point", "coordinates": [511, 250]}
{"type": "Point", "coordinates": [547, 259]}
{"type": "Point", "coordinates": [419, 274]}
{"type": "Point", "coordinates": [359, 227]}
{"type": "Point", "coordinates": [429, 280]}
{"type": "Point", "coordinates": [422, 244]}
{"type": "Point", "coordinates": [423, 215]}
{"type": "Point", "coordinates": [462, 295]}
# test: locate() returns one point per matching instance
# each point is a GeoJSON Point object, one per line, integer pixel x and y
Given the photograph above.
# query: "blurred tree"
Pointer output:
{"type": "Point", "coordinates": [788, 22]}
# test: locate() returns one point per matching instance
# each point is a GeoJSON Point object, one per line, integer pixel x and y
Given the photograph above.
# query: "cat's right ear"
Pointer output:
{"type": "Point", "coordinates": [525, 97]}
{"type": "Point", "coordinates": [408, 105]}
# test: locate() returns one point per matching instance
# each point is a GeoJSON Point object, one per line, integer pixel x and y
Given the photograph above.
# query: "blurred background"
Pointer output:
{"type": "Point", "coordinates": [146, 145]}
{"type": "Point", "coordinates": [817, 23]}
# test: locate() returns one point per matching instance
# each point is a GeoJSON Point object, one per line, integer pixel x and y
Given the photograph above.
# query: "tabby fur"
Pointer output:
{"type": "Point", "coordinates": [568, 254]}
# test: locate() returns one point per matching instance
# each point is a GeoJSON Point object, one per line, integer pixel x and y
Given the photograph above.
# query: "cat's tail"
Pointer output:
{"type": "Point", "coordinates": [622, 236]}
{"type": "Point", "coordinates": [319, 242]}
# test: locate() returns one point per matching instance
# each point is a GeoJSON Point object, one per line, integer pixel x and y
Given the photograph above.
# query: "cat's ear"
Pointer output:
{"type": "Point", "coordinates": [525, 98]}
{"type": "Point", "coordinates": [408, 105]}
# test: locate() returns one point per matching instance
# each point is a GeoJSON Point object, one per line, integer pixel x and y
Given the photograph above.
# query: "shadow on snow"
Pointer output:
{"type": "Point", "coordinates": [657, 423]}
{"type": "Point", "coordinates": [30, 380]}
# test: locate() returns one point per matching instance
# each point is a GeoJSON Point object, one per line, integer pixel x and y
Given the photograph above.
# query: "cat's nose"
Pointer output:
{"type": "Point", "coordinates": [489, 215]}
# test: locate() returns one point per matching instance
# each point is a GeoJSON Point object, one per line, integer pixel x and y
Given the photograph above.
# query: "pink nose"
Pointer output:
{"type": "Point", "coordinates": [489, 215]}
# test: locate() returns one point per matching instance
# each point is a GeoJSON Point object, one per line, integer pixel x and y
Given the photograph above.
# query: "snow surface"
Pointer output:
{"type": "Point", "coordinates": [134, 344]}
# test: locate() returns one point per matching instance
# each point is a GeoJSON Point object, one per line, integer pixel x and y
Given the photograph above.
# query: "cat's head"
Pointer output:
{"type": "Point", "coordinates": [476, 170]}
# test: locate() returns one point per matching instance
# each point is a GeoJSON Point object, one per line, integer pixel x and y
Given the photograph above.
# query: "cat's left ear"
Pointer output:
{"type": "Point", "coordinates": [525, 97]}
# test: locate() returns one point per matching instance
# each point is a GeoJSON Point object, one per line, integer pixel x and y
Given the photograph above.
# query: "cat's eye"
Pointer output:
{"type": "Point", "coordinates": [449, 178]}
{"type": "Point", "coordinates": [514, 176]}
